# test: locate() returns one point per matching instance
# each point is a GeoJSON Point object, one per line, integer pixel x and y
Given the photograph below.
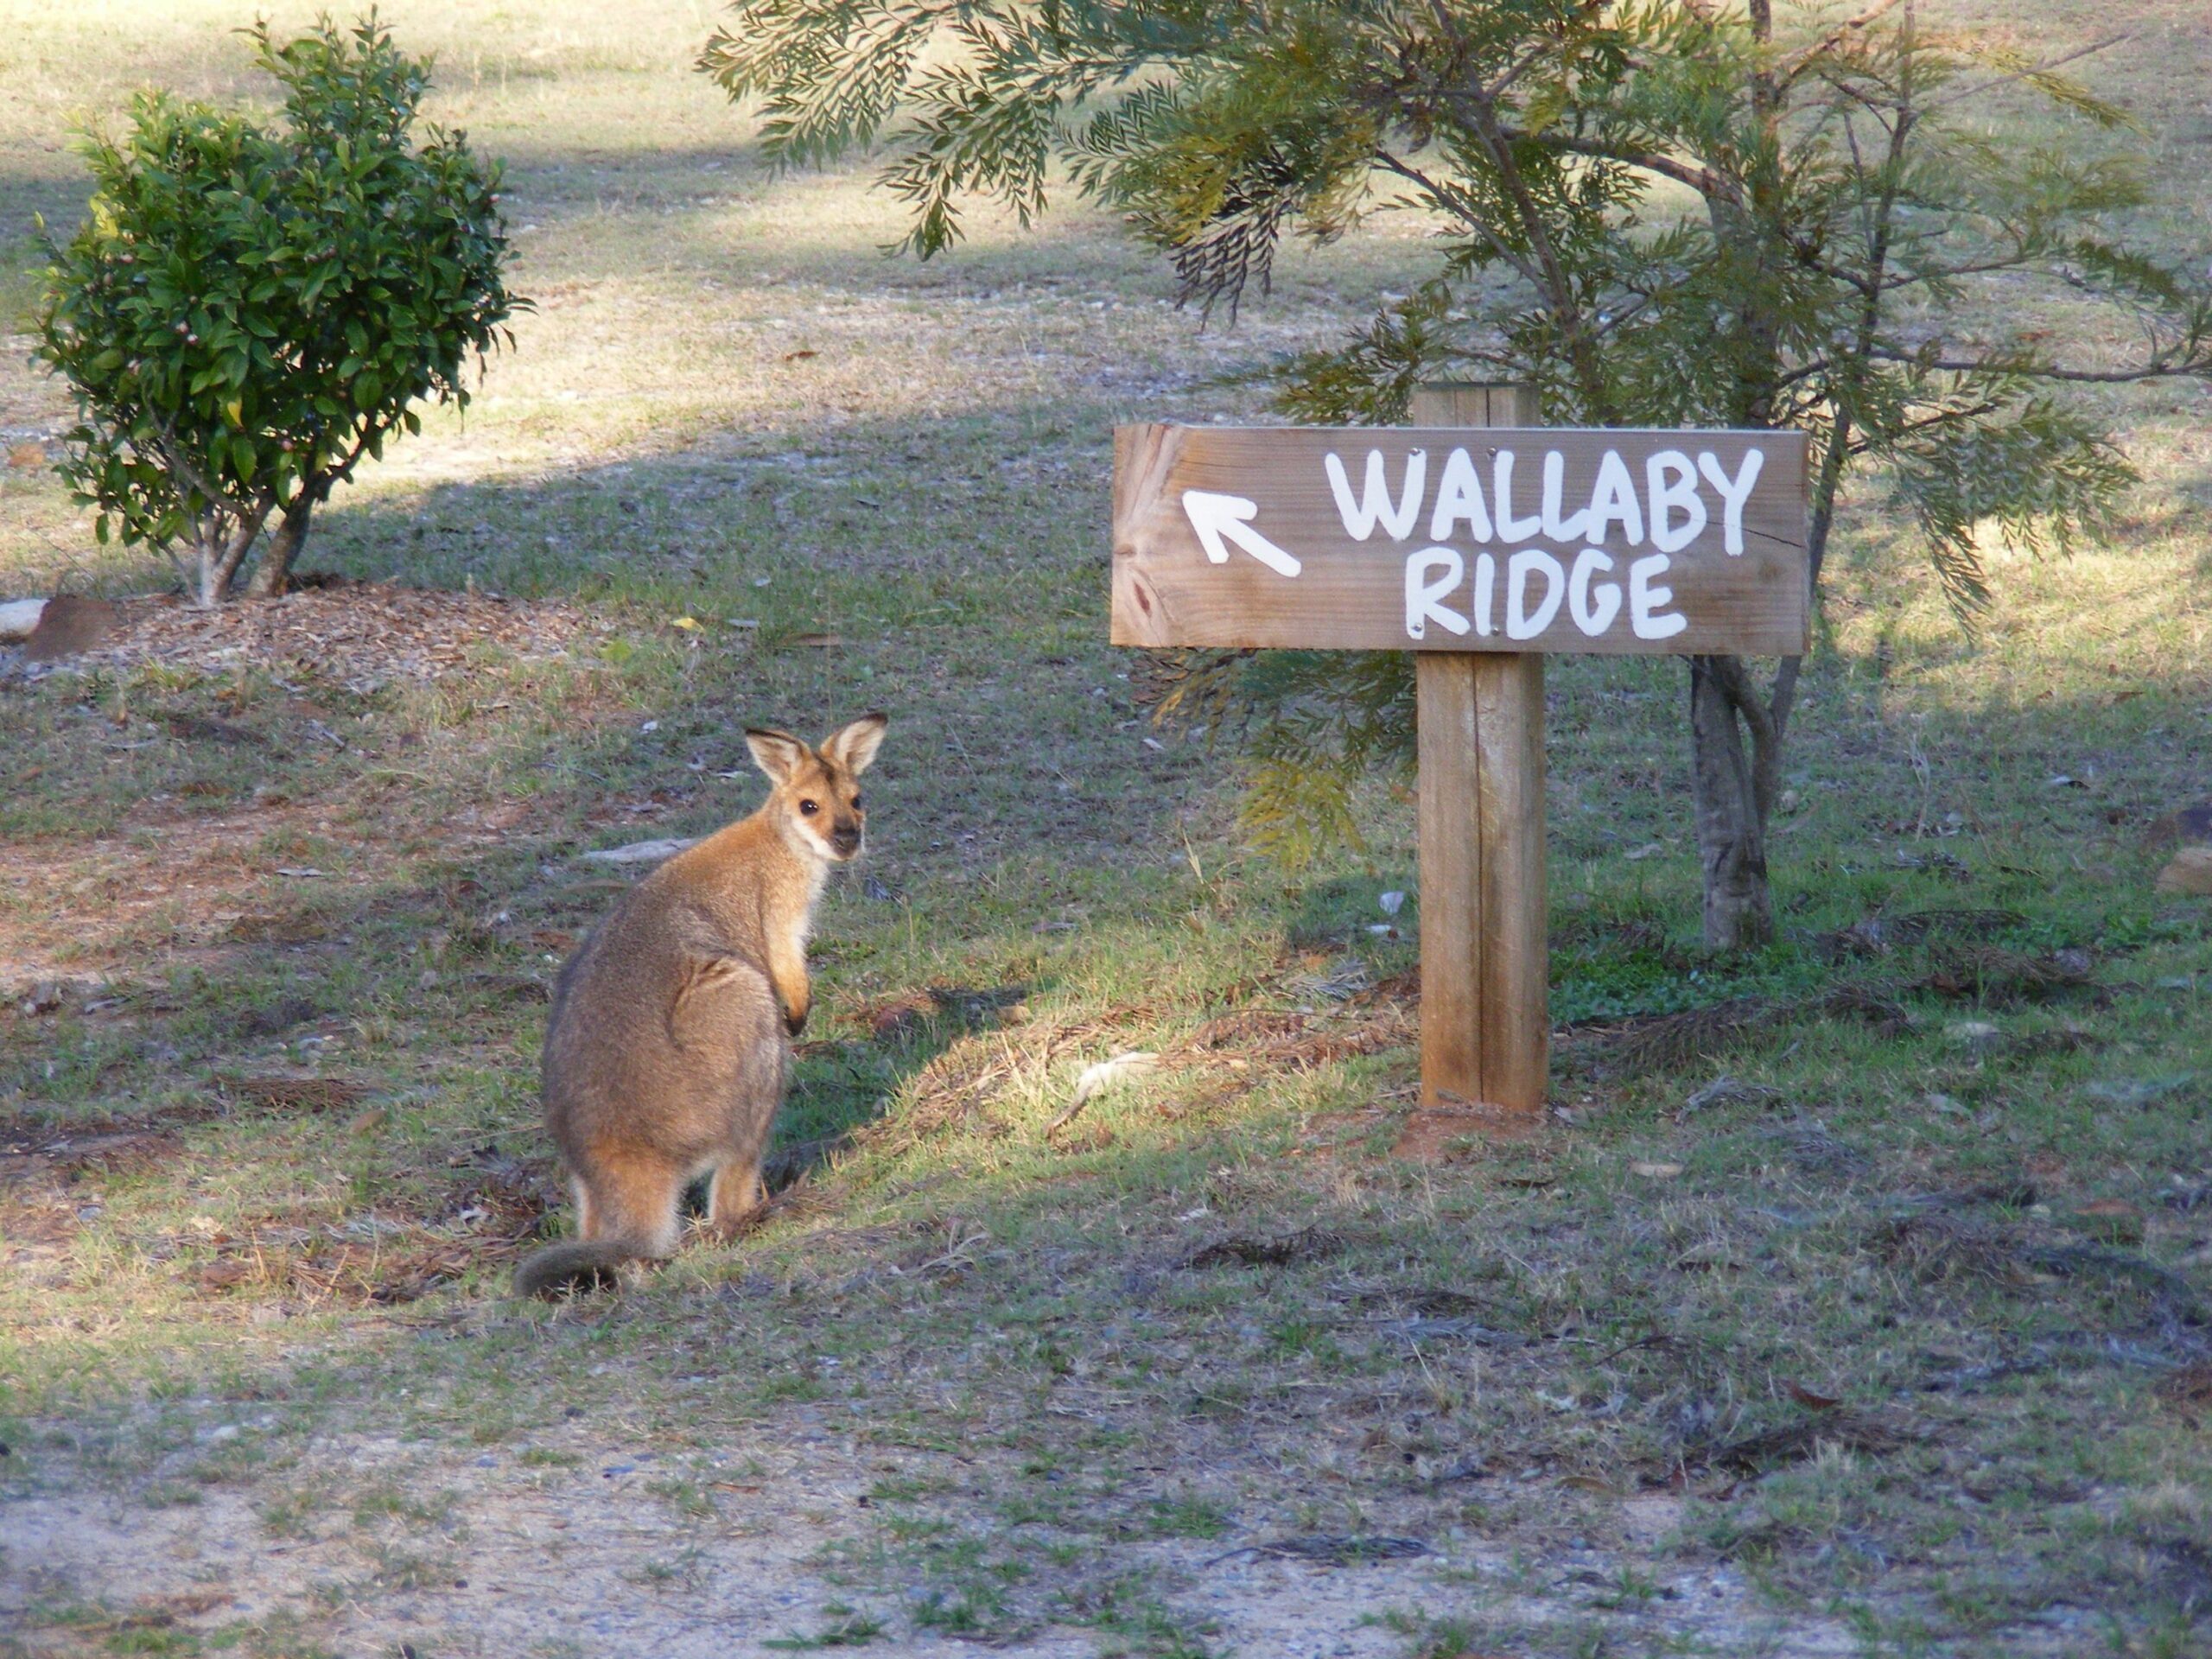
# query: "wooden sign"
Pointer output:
{"type": "Point", "coordinates": [1436, 538]}
{"type": "Point", "coordinates": [1480, 543]}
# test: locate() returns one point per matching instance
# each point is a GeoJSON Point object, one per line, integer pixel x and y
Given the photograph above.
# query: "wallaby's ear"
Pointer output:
{"type": "Point", "coordinates": [853, 747]}
{"type": "Point", "coordinates": [778, 753]}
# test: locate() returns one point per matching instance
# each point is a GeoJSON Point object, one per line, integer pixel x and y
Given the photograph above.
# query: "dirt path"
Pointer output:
{"type": "Point", "coordinates": [499, 1555]}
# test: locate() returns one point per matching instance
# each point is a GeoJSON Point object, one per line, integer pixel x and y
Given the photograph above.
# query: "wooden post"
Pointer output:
{"type": "Point", "coordinates": [1250, 538]}
{"type": "Point", "coordinates": [1485, 1029]}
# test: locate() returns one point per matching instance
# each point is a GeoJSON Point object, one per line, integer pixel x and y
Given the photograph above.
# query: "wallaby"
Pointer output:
{"type": "Point", "coordinates": [667, 1047]}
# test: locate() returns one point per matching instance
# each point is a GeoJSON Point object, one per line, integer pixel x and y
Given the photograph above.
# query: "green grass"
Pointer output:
{"type": "Point", "coordinates": [1537, 1361]}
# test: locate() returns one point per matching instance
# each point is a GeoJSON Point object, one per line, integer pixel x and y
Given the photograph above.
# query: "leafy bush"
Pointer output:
{"type": "Point", "coordinates": [245, 314]}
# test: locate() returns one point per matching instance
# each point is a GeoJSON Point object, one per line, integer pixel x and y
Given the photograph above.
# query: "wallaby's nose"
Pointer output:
{"type": "Point", "coordinates": [846, 839]}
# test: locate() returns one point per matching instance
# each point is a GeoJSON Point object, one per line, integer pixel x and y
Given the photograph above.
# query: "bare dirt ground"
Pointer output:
{"type": "Point", "coordinates": [578, 1558]}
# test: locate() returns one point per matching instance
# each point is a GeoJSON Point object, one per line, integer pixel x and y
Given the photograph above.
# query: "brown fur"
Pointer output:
{"type": "Point", "coordinates": [667, 1048]}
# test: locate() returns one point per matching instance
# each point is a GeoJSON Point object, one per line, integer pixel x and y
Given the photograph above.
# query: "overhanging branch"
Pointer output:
{"type": "Point", "coordinates": [2197, 363]}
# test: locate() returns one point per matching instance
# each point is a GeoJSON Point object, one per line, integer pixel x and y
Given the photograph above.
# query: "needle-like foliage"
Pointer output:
{"type": "Point", "coordinates": [1654, 212]}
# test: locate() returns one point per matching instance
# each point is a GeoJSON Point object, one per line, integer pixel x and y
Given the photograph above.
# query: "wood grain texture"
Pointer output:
{"type": "Point", "coordinates": [1485, 1018]}
{"type": "Point", "coordinates": [1513, 969]}
{"type": "Point", "coordinates": [1351, 593]}
{"type": "Point", "coordinates": [1449, 827]}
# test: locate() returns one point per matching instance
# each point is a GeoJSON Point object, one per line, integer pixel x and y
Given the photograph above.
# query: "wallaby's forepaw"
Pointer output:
{"type": "Point", "coordinates": [730, 1229]}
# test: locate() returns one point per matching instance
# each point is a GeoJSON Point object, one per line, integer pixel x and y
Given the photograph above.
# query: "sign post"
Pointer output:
{"type": "Point", "coordinates": [1479, 542]}
{"type": "Point", "coordinates": [1485, 1026]}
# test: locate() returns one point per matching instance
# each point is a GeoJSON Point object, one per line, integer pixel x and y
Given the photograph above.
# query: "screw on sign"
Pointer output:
{"type": "Point", "coordinates": [1480, 543]}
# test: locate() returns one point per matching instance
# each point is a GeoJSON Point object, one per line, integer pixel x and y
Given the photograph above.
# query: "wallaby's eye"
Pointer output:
{"type": "Point", "coordinates": [809, 808]}
{"type": "Point", "coordinates": [856, 803]}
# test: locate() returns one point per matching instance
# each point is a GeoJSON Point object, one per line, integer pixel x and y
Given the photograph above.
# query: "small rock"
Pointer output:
{"type": "Point", "coordinates": [44, 997]}
{"type": "Point", "coordinates": [1656, 1171]}
{"type": "Point", "coordinates": [18, 617]}
{"type": "Point", "coordinates": [1975, 1036]}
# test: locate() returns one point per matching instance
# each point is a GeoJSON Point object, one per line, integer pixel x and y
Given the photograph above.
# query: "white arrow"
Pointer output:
{"type": "Point", "coordinates": [1214, 517]}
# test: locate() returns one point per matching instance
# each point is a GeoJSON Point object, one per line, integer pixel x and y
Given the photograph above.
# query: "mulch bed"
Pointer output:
{"type": "Point", "coordinates": [358, 635]}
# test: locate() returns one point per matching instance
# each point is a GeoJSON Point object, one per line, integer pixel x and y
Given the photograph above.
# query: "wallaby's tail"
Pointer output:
{"type": "Point", "coordinates": [575, 1265]}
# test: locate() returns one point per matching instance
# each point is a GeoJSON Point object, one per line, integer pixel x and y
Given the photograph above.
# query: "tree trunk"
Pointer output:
{"type": "Point", "coordinates": [1733, 790]}
{"type": "Point", "coordinates": [272, 577]}
{"type": "Point", "coordinates": [212, 578]}
{"type": "Point", "coordinates": [222, 542]}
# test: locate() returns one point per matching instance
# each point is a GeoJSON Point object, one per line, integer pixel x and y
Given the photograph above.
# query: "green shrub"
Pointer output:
{"type": "Point", "coordinates": [245, 314]}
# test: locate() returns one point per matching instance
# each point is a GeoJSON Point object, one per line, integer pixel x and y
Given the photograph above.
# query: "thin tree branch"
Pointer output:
{"type": "Point", "coordinates": [1504, 83]}
{"type": "Point", "coordinates": [1803, 59]}
{"type": "Point", "coordinates": [181, 462]}
{"type": "Point", "coordinates": [1860, 445]}
{"type": "Point", "coordinates": [1805, 370]}
{"type": "Point", "coordinates": [1581, 349]}
{"type": "Point", "coordinates": [2031, 71]}
{"type": "Point", "coordinates": [1703, 180]}
{"type": "Point", "coordinates": [1616, 320]}
{"type": "Point", "coordinates": [2196, 365]}
{"type": "Point", "coordinates": [1454, 201]}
